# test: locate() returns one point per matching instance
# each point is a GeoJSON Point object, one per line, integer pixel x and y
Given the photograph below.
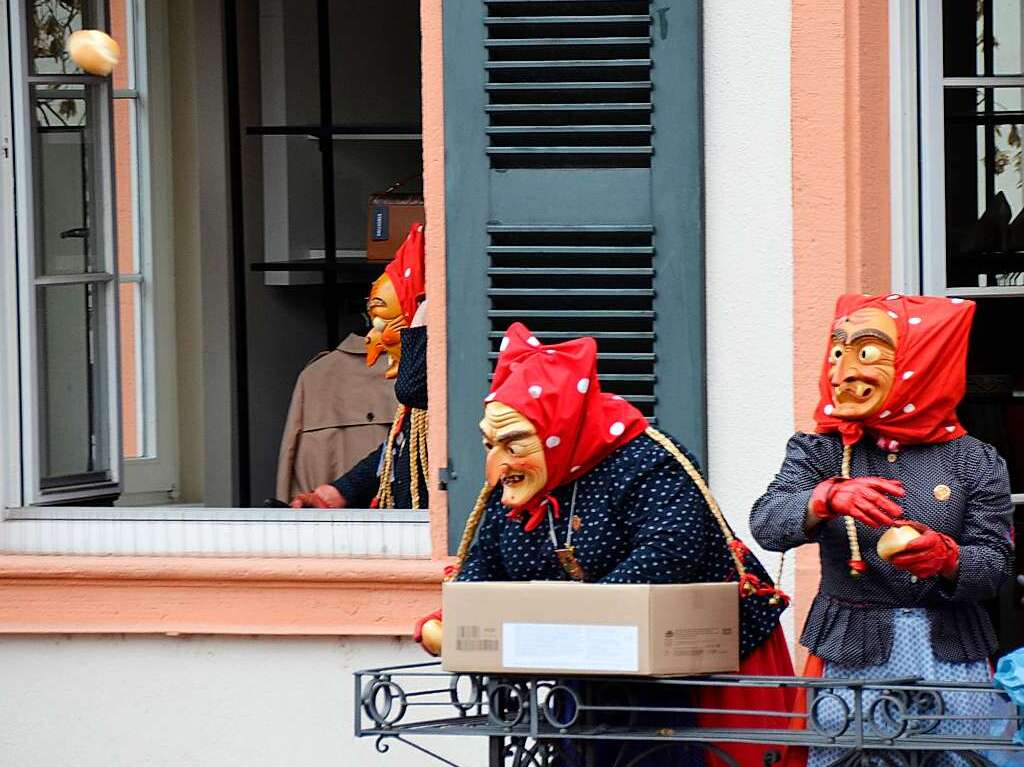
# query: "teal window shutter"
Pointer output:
{"type": "Point", "coordinates": [574, 203]}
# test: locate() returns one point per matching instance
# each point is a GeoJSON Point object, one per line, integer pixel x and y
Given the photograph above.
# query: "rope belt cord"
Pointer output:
{"type": "Point", "coordinates": [469, 531]}
{"type": "Point", "coordinates": [418, 464]}
{"type": "Point", "coordinates": [476, 515]}
{"type": "Point", "coordinates": [698, 480]}
{"type": "Point", "coordinates": [856, 561]}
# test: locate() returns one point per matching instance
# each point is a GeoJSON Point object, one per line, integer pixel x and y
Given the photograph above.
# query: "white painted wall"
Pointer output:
{"type": "Point", "coordinates": [749, 235]}
{"type": "Point", "coordinates": [155, 701]}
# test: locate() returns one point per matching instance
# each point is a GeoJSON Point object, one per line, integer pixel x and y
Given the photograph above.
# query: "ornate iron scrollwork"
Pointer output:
{"type": "Point", "coordinates": [506, 703]}
{"type": "Point", "coordinates": [379, 699]}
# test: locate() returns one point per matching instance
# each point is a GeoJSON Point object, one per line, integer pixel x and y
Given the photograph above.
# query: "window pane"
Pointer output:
{"type": "Point", "coordinates": [72, 385]}
{"type": "Point", "coordinates": [362, 168]}
{"type": "Point", "coordinates": [126, 184]}
{"type": "Point", "coordinates": [983, 37]}
{"type": "Point", "coordinates": [51, 22]}
{"type": "Point", "coordinates": [984, 186]}
{"type": "Point", "coordinates": [293, 203]}
{"type": "Point", "coordinates": [993, 409]}
{"type": "Point", "coordinates": [132, 418]}
{"type": "Point", "coordinates": [68, 237]}
{"type": "Point", "coordinates": [288, 63]}
{"type": "Point", "coordinates": [376, 77]}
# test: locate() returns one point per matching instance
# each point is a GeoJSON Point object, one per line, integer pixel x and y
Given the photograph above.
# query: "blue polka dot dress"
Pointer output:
{"type": "Point", "coordinates": [641, 520]}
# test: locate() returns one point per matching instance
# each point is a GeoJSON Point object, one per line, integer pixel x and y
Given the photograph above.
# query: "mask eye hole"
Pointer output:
{"type": "Point", "coordinates": [836, 353]}
{"type": "Point", "coordinates": [870, 353]}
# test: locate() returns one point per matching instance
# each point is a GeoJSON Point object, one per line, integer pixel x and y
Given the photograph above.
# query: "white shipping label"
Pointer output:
{"type": "Point", "coordinates": [570, 646]}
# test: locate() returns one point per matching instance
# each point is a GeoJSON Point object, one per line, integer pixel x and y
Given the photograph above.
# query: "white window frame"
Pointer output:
{"type": "Point", "coordinates": [917, 155]}
{"type": "Point", "coordinates": [23, 269]}
{"type": "Point", "coordinates": [176, 530]}
{"type": "Point", "coordinates": [10, 421]}
{"type": "Point", "coordinates": [152, 477]}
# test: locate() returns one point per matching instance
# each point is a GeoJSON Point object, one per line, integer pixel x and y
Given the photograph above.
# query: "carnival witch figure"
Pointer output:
{"type": "Point", "coordinates": [889, 451]}
{"type": "Point", "coordinates": [580, 486]}
{"type": "Point", "coordinates": [395, 474]}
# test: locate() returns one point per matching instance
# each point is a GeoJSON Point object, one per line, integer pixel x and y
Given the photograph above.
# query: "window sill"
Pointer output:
{"type": "Point", "coordinates": [191, 531]}
{"type": "Point", "coordinates": [216, 595]}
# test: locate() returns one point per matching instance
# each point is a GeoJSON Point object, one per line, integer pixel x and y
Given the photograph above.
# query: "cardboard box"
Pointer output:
{"type": "Point", "coordinates": [589, 628]}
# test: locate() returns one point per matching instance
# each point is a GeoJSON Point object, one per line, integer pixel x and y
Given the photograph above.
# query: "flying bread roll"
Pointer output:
{"type": "Point", "coordinates": [894, 540]}
{"type": "Point", "coordinates": [431, 633]}
{"type": "Point", "coordinates": [94, 51]}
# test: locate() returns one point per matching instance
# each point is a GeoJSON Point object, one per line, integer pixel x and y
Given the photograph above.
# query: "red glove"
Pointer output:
{"type": "Point", "coordinates": [931, 553]}
{"type": "Point", "coordinates": [417, 633]}
{"type": "Point", "coordinates": [432, 643]}
{"type": "Point", "coordinates": [323, 497]}
{"type": "Point", "coordinates": [863, 498]}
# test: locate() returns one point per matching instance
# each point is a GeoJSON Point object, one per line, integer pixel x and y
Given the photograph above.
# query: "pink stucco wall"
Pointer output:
{"type": "Point", "coordinates": [841, 227]}
{"type": "Point", "coordinates": [433, 186]}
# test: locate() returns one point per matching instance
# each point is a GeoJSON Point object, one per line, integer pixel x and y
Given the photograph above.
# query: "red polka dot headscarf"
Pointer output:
{"type": "Point", "coordinates": [556, 388]}
{"type": "Point", "coordinates": [930, 378]}
{"type": "Point", "coordinates": [407, 272]}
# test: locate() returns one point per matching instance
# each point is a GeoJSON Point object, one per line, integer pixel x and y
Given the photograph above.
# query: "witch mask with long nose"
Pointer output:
{"type": "Point", "coordinates": [896, 369]}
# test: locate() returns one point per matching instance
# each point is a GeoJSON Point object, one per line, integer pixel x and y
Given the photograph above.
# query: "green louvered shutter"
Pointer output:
{"type": "Point", "coordinates": [574, 202]}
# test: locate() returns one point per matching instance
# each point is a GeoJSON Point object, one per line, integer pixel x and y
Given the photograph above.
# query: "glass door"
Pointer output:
{"type": "Point", "coordinates": [66, 265]}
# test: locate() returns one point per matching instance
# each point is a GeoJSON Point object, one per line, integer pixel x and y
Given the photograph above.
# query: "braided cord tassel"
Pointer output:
{"type": "Point", "coordinates": [469, 531]}
{"type": "Point", "coordinates": [417, 454]}
{"type": "Point", "coordinates": [698, 480]}
{"type": "Point", "coordinates": [414, 463]}
{"type": "Point", "coordinates": [856, 562]}
{"type": "Point", "coordinates": [775, 599]}
{"type": "Point", "coordinates": [385, 499]}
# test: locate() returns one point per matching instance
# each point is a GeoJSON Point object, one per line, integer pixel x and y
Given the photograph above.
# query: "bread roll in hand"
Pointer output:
{"type": "Point", "coordinates": [894, 540]}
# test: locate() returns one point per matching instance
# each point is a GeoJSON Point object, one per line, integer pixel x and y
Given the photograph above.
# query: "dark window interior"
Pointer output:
{"type": "Point", "coordinates": [324, 105]}
{"type": "Point", "coordinates": [983, 49]}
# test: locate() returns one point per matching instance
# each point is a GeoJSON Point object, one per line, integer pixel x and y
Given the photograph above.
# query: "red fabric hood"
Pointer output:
{"type": "Point", "coordinates": [557, 389]}
{"type": "Point", "coordinates": [407, 272]}
{"type": "Point", "coordinates": [931, 372]}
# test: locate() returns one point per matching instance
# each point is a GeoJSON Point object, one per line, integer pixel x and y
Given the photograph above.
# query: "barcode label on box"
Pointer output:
{"type": "Point", "coordinates": [470, 639]}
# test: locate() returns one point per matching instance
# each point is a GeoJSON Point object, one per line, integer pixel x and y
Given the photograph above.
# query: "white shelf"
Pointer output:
{"type": "Point", "coordinates": [995, 291]}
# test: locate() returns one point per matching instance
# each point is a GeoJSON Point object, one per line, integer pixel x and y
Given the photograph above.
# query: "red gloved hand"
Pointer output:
{"type": "Point", "coordinates": [323, 497]}
{"type": "Point", "coordinates": [863, 498]}
{"type": "Point", "coordinates": [417, 633]}
{"type": "Point", "coordinates": [432, 642]}
{"type": "Point", "coordinates": [931, 553]}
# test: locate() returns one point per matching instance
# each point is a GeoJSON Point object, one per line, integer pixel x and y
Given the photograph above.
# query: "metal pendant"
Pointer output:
{"type": "Point", "coordinates": [571, 565]}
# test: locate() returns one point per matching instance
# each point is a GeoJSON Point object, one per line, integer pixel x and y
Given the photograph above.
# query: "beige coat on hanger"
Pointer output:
{"type": "Point", "coordinates": [340, 411]}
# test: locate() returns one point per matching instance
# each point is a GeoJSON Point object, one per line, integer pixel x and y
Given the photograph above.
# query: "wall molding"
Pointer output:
{"type": "Point", "coordinates": [205, 595]}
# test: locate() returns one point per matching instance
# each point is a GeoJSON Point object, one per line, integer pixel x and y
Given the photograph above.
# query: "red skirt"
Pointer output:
{"type": "Point", "coordinates": [796, 756]}
{"type": "Point", "coordinates": [770, 659]}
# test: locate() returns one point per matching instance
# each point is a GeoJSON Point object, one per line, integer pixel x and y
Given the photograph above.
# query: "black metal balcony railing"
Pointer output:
{"type": "Point", "coordinates": [534, 721]}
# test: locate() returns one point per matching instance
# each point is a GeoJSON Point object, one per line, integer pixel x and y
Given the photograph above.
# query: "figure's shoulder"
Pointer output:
{"type": "Point", "coordinates": [974, 458]}
{"type": "Point", "coordinates": [814, 445]}
{"type": "Point", "coordinates": [648, 451]}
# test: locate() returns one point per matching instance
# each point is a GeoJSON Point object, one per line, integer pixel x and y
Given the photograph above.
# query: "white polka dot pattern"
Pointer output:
{"type": "Point", "coordinates": [643, 521]}
{"type": "Point", "coordinates": [843, 625]}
